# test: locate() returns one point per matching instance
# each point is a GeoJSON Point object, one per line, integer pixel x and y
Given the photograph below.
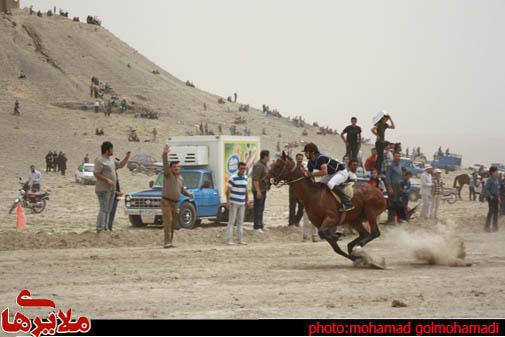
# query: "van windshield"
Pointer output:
{"type": "Point", "coordinates": [191, 180]}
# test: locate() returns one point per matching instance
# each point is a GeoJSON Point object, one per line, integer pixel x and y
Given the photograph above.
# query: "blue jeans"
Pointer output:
{"type": "Point", "coordinates": [112, 213]}
{"type": "Point", "coordinates": [105, 200]}
{"type": "Point", "coordinates": [259, 208]}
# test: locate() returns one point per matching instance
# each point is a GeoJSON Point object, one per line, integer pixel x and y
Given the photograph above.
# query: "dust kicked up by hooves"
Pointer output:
{"type": "Point", "coordinates": [436, 244]}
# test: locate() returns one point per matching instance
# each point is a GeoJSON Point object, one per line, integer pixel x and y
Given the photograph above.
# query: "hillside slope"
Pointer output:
{"type": "Point", "coordinates": [59, 57]}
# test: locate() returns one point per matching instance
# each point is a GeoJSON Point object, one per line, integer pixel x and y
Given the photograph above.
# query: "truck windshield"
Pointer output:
{"type": "Point", "coordinates": [191, 180]}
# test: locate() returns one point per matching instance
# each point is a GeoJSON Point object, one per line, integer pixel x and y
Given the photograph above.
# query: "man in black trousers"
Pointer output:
{"type": "Point", "coordinates": [295, 216]}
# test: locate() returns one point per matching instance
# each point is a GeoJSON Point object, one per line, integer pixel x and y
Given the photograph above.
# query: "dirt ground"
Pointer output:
{"type": "Point", "coordinates": [128, 275]}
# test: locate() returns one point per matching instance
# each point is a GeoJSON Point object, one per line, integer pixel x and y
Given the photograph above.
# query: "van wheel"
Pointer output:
{"type": "Point", "coordinates": [136, 221]}
{"type": "Point", "coordinates": [187, 216]}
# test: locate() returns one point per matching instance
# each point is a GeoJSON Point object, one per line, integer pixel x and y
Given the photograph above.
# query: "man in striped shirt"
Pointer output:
{"type": "Point", "coordinates": [237, 199]}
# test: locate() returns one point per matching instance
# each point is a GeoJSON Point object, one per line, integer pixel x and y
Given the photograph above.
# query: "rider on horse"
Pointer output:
{"type": "Point", "coordinates": [332, 172]}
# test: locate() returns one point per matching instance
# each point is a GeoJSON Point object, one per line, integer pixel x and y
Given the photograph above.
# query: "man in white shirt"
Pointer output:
{"type": "Point", "coordinates": [34, 179]}
{"type": "Point", "coordinates": [426, 185]}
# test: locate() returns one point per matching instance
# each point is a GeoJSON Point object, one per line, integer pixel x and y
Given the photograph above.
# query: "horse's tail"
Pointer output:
{"type": "Point", "coordinates": [455, 182]}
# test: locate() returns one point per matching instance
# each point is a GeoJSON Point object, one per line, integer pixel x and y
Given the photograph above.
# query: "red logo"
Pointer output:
{"type": "Point", "coordinates": [56, 322]}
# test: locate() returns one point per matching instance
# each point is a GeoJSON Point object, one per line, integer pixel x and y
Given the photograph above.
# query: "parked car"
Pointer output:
{"type": "Point", "coordinates": [143, 163]}
{"type": "Point", "coordinates": [84, 174]}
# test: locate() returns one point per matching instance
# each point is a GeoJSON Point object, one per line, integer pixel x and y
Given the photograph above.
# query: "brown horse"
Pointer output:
{"type": "Point", "coordinates": [460, 181]}
{"type": "Point", "coordinates": [324, 211]}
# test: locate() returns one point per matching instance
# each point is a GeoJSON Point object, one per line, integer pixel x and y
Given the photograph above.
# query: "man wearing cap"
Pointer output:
{"type": "Point", "coordinates": [426, 185]}
{"type": "Point", "coordinates": [381, 122]}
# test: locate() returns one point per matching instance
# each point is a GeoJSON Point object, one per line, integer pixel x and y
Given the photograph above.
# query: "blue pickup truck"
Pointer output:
{"type": "Point", "coordinates": [144, 205]}
{"type": "Point", "coordinates": [207, 162]}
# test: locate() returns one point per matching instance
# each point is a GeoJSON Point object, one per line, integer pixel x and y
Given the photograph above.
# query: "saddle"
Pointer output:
{"type": "Point", "coordinates": [347, 187]}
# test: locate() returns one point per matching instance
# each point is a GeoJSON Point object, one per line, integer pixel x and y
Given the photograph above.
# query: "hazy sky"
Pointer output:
{"type": "Point", "coordinates": [438, 66]}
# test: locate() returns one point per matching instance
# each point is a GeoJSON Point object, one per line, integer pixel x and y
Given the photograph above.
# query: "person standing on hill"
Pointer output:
{"type": "Point", "coordinates": [17, 109]}
{"type": "Point", "coordinates": [353, 140]}
{"type": "Point", "coordinates": [49, 161]}
{"type": "Point", "coordinates": [63, 163]}
{"type": "Point", "coordinates": [54, 161]}
{"type": "Point", "coordinates": [173, 186]}
{"type": "Point", "coordinates": [379, 130]}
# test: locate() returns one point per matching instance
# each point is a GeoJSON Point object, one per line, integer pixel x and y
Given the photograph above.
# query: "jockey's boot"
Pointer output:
{"type": "Point", "coordinates": [346, 200]}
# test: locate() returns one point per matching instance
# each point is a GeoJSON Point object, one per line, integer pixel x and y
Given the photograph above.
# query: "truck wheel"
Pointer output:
{"type": "Point", "coordinates": [136, 221]}
{"type": "Point", "coordinates": [187, 216]}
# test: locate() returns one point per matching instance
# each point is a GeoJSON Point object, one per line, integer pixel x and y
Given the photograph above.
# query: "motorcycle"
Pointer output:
{"type": "Point", "coordinates": [36, 201]}
{"type": "Point", "coordinates": [450, 196]}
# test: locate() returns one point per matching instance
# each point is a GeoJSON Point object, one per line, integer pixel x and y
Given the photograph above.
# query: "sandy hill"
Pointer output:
{"type": "Point", "coordinates": [59, 57]}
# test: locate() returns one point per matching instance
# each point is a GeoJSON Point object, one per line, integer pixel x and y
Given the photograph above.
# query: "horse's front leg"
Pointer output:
{"type": "Point", "coordinates": [328, 232]}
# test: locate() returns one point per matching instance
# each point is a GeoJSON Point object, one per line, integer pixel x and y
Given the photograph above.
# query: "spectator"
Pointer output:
{"type": "Point", "coordinates": [502, 194]}
{"type": "Point", "coordinates": [259, 189]}
{"type": "Point", "coordinates": [58, 161]}
{"type": "Point", "coordinates": [55, 161]}
{"type": "Point", "coordinates": [17, 109]}
{"type": "Point", "coordinates": [406, 186]}
{"type": "Point", "coordinates": [49, 161]}
{"type": "Point", "coordinates": [346, 160]}
{"type": "Point", "coordinates": [34, 179]}
{"type": "Point", "coordinates": [370, 161]}
{"type": "Point", "coordinates": [295, 215]}
{"type": "Point", "coordinates": [352, 140]}
{"type": "Point", "coordinates": [115, 201]}
{"type": "Point", "coordinates": [86, 159]}
{"type": "Point", "coordinates": [173, 186]}
{"type": "Point", "coordinates": [375, 180]}
{"type": "Point", "coordinates": [155, 134]}
{"type": "Point", "coordinates": [63, 163]}
{"type": "Point", "coordinates": [393, 183]}
{"type": "Point", "coordinates": [379, 130]}
{"type": "Point", "coordinates": [492, 194]}
{"type": "Point", "coordinates": [437, 191]}
{"type": "Point", "coordinates": [426, 185]}
{"type": "Point", "coordinates": [105, 173]}
{"type": "Point", "coordinates": [237, 201]}
{"type": "Point", "coordinates": [471, 186]}
{"type": "Point", "coordinates": [388, 156]}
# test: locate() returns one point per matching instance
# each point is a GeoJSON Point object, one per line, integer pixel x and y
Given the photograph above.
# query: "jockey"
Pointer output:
{"type": "Point", "coordinates": [332, 173]}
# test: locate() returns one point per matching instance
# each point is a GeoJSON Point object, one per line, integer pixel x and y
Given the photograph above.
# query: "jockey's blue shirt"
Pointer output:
{"type": "Point", "coordinates": [333, 165]}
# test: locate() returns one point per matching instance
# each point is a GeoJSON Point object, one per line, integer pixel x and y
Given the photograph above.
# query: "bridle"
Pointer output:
{"type": "Point", "coordinates": [279, 183]}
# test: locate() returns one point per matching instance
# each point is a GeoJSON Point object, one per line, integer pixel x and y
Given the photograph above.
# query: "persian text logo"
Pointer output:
{"type": "Point", "coordinates": [55, 322]}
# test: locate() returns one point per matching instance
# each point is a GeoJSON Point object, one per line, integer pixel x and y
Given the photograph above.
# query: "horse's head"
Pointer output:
{"type": "Point", "coordinates": [281, 170]}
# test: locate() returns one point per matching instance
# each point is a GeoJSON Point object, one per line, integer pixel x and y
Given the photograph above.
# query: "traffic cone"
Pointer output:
{"type": "Point", "coordinates": [20, 217]}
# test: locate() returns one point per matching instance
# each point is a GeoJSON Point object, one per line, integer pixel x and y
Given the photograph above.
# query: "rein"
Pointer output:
{"type": "Point", "coordinates": [284, 183]}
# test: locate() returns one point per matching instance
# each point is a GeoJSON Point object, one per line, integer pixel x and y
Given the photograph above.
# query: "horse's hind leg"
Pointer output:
{"type": "Point", "coordinates": [362, 234]}
{"type": "Point", "coordinates": [374, 231]}
{"type": "Point", "coordinates": [327, 231]}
